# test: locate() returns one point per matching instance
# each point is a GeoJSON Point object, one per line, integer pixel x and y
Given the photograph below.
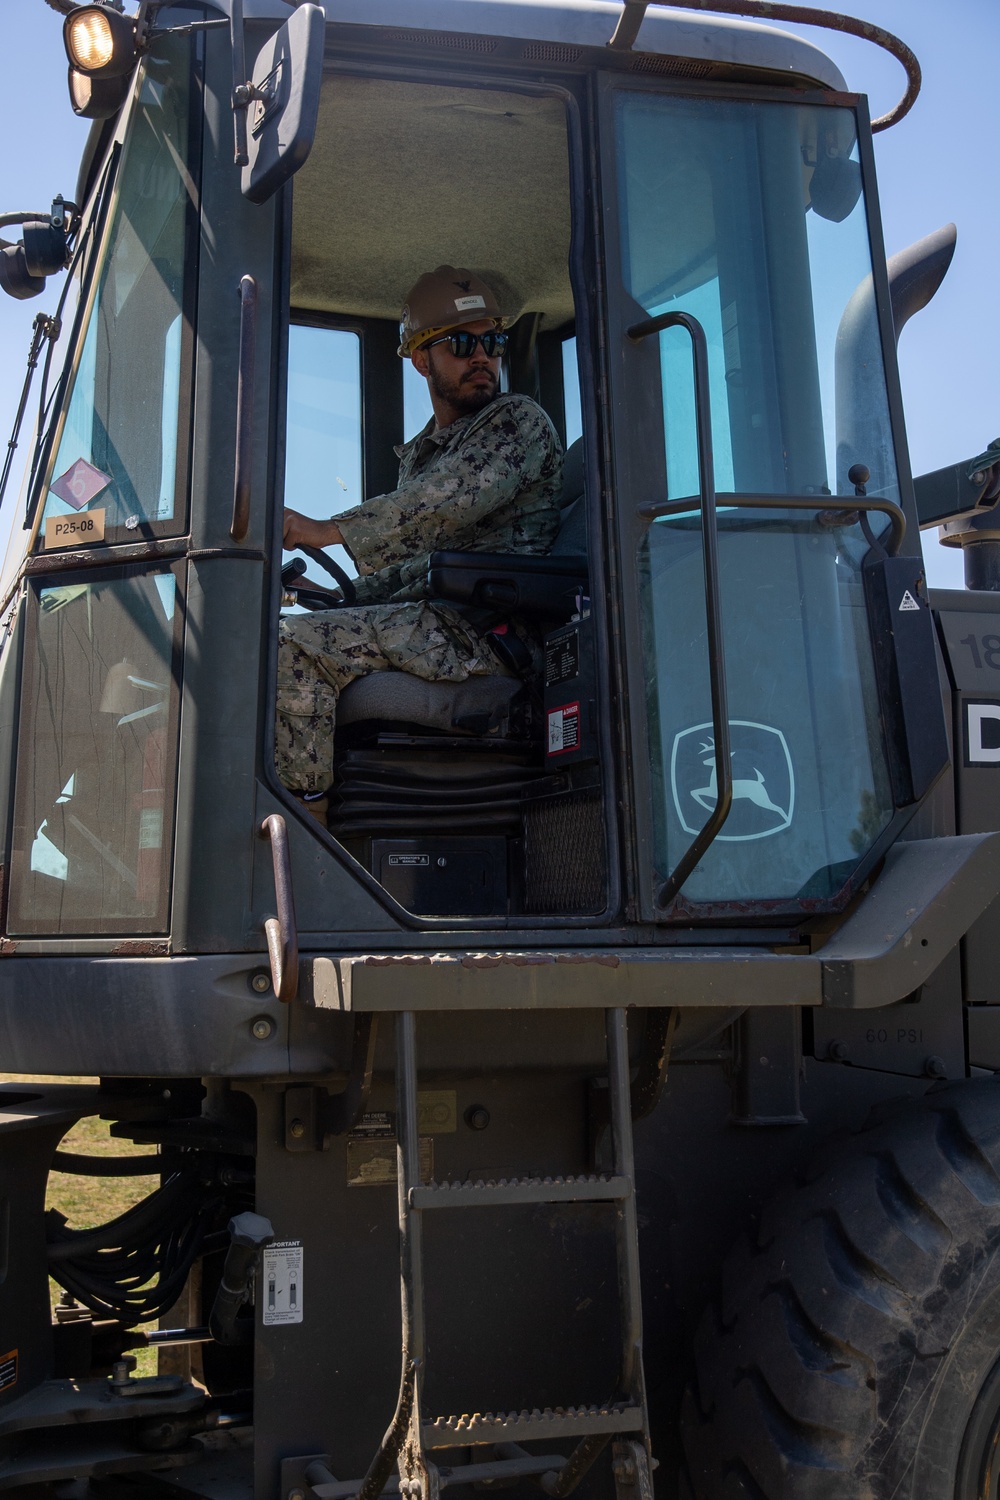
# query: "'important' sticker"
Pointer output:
{"type": "Point", "coordinates": [8, 1369]}
{"type": "Point", "coordinates": [281, 1282]}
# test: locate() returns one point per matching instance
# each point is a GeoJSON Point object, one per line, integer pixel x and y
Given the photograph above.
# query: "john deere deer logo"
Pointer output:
{"type": "Point", "coordinates": [763, 779]}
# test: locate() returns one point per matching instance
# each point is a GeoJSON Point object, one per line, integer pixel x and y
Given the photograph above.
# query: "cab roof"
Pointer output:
{"type": "Point", "coordinates": [722, 41]}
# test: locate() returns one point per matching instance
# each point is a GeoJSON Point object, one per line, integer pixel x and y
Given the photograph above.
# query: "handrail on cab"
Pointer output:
{"type": "Point", "coordinates": [713, 604]}
{"type": "Point", "coordinates": [822, 505]}
{"type": "Point", "coordinates": [280, 931]}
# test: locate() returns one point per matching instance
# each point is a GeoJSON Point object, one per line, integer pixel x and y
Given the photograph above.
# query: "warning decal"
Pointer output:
{"type": "Point", "coordinates": [564, 728]}
{"type": "Point", "coordinates": [8, 1369]}
{"type": "Point", "coordinates": [907, 602]}
{"type": "Point", "coordinates": [281, 1282]}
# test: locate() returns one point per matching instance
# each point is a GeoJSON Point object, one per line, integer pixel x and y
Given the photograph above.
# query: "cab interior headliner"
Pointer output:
{"type": "Point", "coordinates": [404, 176]}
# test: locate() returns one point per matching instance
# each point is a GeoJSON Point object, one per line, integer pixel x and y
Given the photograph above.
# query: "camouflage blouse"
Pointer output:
{"type": "Point", "coordinates": [490, 482]}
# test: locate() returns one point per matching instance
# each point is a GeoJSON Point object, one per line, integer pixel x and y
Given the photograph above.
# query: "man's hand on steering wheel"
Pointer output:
{"type": "Point", "coordinates": [303, 531]}
{"type": "Point", "coordinates": [311, 537]}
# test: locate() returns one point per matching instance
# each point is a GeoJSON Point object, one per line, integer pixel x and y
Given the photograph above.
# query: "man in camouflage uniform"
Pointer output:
{"type": "Point", "coordinates": [484, 475]}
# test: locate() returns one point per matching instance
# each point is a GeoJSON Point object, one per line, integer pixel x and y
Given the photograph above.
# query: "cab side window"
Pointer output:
{"type": "Point", "coordinates": [417, 409]}
{"type": "Point", "coordinates": [572, 416]}
{"type": "Point", "coordinates": [324, 468]}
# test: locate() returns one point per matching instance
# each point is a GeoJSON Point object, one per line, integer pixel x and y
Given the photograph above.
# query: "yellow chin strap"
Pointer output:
{"type": "Point", "coordinates": [418, 340]}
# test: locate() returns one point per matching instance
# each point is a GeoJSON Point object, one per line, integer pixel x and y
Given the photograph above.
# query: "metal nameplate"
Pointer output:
{"type": "Point", "coordinates": [75, 531]}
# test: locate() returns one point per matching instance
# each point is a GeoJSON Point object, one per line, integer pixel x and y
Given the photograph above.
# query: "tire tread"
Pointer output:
{"type": "Point", "coordinates": [804, 1379]}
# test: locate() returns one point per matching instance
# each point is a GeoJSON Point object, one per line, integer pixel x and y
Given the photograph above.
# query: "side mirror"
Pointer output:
{"type": "Point", "coordinates": [835, 187]}
{"type": "Point", "coordinates": [283, 102]}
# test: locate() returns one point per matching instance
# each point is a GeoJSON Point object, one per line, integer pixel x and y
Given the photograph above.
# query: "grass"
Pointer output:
{"type": "Point", "coordinates": [89, 1201]}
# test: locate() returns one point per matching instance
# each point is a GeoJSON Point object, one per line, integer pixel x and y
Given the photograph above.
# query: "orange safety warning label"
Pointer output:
{"type": "Point", "coordinates": [8, 1369]}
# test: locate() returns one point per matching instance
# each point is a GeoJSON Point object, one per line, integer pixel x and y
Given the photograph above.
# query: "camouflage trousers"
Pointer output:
{"type": "Point", "coordinates": [320, 653]}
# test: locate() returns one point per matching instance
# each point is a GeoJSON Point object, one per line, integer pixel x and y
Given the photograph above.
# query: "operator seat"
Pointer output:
{"type": "Point", "coordinates": [420, 757]}
{"type": "Point", "coordinates": [480, 704]}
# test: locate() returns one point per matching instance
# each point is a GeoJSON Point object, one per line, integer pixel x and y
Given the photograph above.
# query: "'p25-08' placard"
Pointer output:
{"type": "Point", "coordinates": [75, 531]}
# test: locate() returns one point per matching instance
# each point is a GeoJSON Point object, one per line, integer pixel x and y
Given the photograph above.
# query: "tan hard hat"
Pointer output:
{"type": "Point", "coordinates": [444, 298]}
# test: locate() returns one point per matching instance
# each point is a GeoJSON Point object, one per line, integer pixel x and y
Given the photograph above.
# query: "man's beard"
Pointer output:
{"type": "Point", "coordinates": [461, 394]}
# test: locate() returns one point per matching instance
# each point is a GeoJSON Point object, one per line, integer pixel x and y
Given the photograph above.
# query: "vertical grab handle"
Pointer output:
{"type": "Point", "coordinates": [713, 603]}
{"type": "Point", "coordinates": [282, 935]}
{"type": "Point", "coordinates": [244, 409]}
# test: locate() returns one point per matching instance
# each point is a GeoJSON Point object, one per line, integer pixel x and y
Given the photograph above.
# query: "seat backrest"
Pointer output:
{"type": "Point", "coordinates": [571, 538]}
{"type": "Point", "coordinates": [476, 706]}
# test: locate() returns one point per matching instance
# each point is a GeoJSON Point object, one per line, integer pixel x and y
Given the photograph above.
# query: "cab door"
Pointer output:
{"type": "Point", "coordinates": [750, 216]}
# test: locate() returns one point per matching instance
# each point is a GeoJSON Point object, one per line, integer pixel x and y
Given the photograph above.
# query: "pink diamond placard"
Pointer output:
{"type": "Point", "coordinates": [80, 484]}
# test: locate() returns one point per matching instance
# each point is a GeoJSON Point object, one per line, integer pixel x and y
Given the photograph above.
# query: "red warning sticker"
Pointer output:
{"type": "Point", "coordinates": [8, 1369]}
{"type": "Point", "coordinates": [564, 728]}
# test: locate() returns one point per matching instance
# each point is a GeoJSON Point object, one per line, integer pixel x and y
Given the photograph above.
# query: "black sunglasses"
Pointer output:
{"type": "Point", "coordinates": [464, 345]}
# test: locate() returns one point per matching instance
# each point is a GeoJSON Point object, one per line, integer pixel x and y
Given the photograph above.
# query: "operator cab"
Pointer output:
{"type": "Point", "coordinates": [452, 795]}
{"type": "Point", "coordinates": [739, 709]}
{"type": "Point", "coordinates": [750, 218]}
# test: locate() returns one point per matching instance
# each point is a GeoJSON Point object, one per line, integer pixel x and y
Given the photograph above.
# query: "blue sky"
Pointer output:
{"type": "Point", "coordinates": [938, 165]}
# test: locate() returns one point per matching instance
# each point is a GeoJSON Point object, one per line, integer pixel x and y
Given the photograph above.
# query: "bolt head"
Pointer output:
{"type": "Point", "coordinates": [121, 1369]}
{"type": "Point", "coordinates": [260, 982]}
{"type": "Point", "coordinates": [262, 1028]}
{"type": "Point", "coordinates": [935, 1067]}
{"type": "Point", "coordinates": [477, 1117]}
{"type": "Point", "coordinates": [297, 1129]}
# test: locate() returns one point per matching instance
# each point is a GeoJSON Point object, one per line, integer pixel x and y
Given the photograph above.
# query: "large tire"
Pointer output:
{"type": "Point", "coordinates": [856, 1352]}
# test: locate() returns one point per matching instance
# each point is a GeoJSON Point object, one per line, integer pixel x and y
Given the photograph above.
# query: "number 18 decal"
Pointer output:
{"type": "Point", "coordinates": [985, 650]}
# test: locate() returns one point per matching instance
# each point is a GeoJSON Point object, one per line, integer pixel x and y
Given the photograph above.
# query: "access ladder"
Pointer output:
{"type": "Point", "coordinates": [413, 1436]}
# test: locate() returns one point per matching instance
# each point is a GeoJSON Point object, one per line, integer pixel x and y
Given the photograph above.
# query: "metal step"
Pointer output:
{"type": "Point", "coordinates": [486, 1194]}
{"type": "Point", "coordinates": [531, 1426]}
{"type": "Point", "coordinates": [323, 1486]}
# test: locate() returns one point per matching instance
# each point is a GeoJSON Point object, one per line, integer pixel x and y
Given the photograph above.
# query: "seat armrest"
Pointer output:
{"type": "Point", "coordinates": [511, 582]}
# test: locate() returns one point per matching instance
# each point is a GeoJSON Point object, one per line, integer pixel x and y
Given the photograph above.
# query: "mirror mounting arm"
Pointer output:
{"type": "Point", "coordinates": [242, 90]}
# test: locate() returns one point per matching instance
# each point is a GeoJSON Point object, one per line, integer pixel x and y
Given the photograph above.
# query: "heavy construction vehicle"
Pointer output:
{"type": "Point", "coordinates": [603, 1101]}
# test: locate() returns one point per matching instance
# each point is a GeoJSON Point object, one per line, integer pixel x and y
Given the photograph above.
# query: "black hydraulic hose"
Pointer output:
{"type": "Point", "coordinates": [803, 15]}
{"type": "Point", "coordinates": [163, 1205]}
{"type": "Point", "coordinates": [40, 216]}
{"type": "Point", "coordinates": [134, 1268]}
{"type": "Point", "coordinates": [140, 1283]}
{"type": "Point", "coordinates": [107, 1166]}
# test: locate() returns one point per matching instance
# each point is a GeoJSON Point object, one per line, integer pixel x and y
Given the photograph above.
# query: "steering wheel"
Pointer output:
{"type": "Point", "coordinates": [345, 581]}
